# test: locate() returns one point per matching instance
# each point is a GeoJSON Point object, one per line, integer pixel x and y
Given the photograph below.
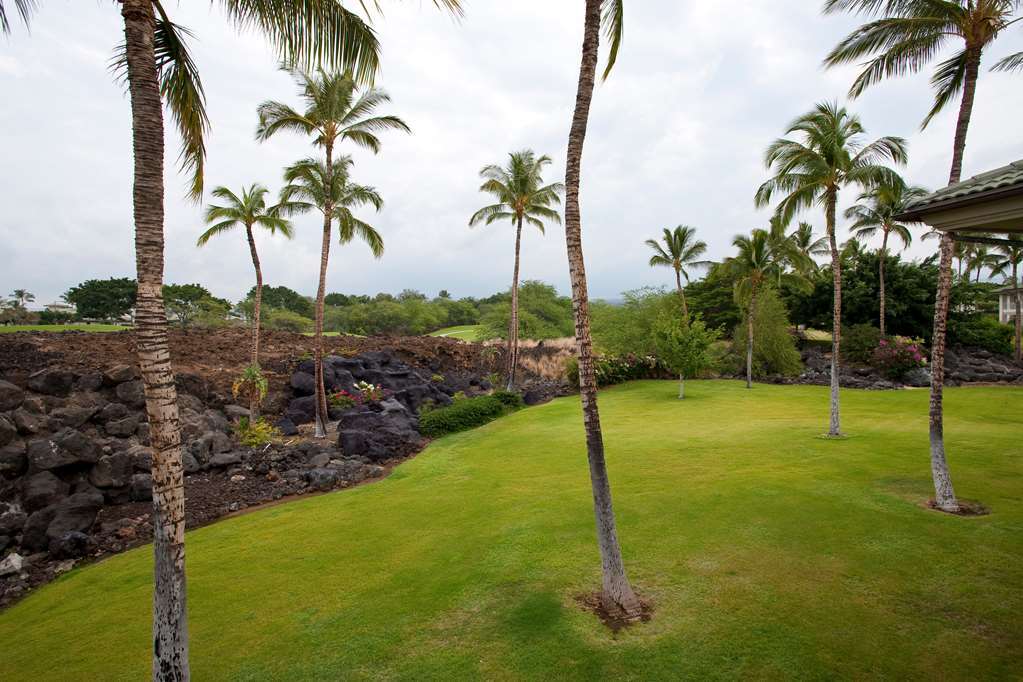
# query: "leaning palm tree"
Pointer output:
{"type": "Point", "coordinates": [755, 266]}
{"type": "Point", "coordinates": [617, 595]}
{"type": "Point", "coordinates": [811, 172]}
{"type": "Point", "coordinates": [157, 66]}
{"type": "Point", "coordinates": [521, 197]}
{"type": "Point", "coordinates": [1007, 265]}
{"type": "Point", "coordinates": [680, 250]}
{"type": "Point", "coordinates": [875, 213]}
{"type": "Point", "coordinates": [334, 112]}
{"type": "Point", "coordinates": [910, 33]}
{"type": "Point", "coordinates": [248, 211]}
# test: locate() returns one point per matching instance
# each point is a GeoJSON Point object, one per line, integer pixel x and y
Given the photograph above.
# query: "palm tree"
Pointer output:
{"type": "Point", "coordinates": [808, 246]}
{"type": "Point", "coordinates": [1008, 266]}
{"type": "Point", "coordinates": [681, 250]}
{"type": "Point", "coordinates": [21, 297]}
{"type": "Point", "coordinates": [521, 197]}
{"type": "Point", "coordinates": [754, 267]}
{"type": "Point", "coordinates": [157, 66]}
{"type": "Point", "coordinates": [830, 156]}
{"type": "Point", "coordinates": [334, 112]}
{"type": "Point", "coordinates": [980, 258]}
{"type": "Point", "coordinates": [617, 595]}
{"type": "Point", "coordinates": [911, 33]}
{"type": "Point", "coordinates": [875, 213]}
{"type": "Point", "coordinates": [249, 211]}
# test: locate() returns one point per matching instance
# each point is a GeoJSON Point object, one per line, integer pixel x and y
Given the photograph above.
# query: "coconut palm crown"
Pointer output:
{"type": "Point", "coordinates": [679, 250]}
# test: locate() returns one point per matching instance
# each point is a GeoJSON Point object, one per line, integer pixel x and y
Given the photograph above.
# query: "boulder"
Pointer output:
{"type": "Point", "coordinates": [92, 381]}
{"type": "Point", "coordinates": [189, 463]}
{"type": "Point", "coordinates": [286, 427]}
{"type": "Point", "coordinates": [42, 490]}
{"type": "Point", "coordinates": [11, 522]}
{"type": "Point", "coordinates": [141, 487]}
{"type": "Point", "coordinates": [122, 428]}
{"type": "Point", "coordinates": [11, 396]}
{"type": "Point", "coordinates": [71, 545]}
{"type": "Point", "coordinates": [322, 478]}
{"type": "Point", "coordinates": [66, 447]}
{"type": "Point", "coordinates": [303, 383]}
{"type": "Point", "coordinates": [30, 423]}
{"type": "Point", "coordinates": [52, 382]}
{"type": "Point", "coordinates": [11, 564]}
{"type": "Point", "coordinates": [76, 513]}
{"type": "Point", "coordinates": [318, 460]}
{"type": "Point", "coordinates": [533, 397]}
{"type": "Point", "coordinates": [131, 393]}
{"type": "Point", "coordinates": [193, 385]}
{"type": "Point", "coordinates": [209, 444]}
{"type": "Point", "coordinates": [33, 535]}
{"type": "Point", "coordinates": [302, 410]}
{"type": "Point", "coordinates": [13, 459]}
{"type": "Point", "coordinates": [7, 430]}
{"type": "Point", "coordinates": [918, 376]}
{"type": "Point", "coordinates": [190, 402]}
{"type": "Point", "coordinates": [236, 412]}
{"type": "Point", "coordinates": [120, 374]}
{"type": "Point", "coordinates": [72, 416]}
{"type": "Point", "coordinates": [391, 431]}
{"type": "Point", "coordinates": [141, 458]}
{"type": "Point", "coordinates": [112, 471]}
{"type": "Point", "coordinates": [215, 421]}
{"type": "Point", "coordinates": [112, 412]}
{"type": "Point", "coordinates": [225, 459]}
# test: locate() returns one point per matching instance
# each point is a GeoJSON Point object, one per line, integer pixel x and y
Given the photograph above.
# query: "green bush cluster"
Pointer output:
{"type": "Point", "coordinates": [253, 434]}
{"type": "Point", "coordinates": [467, 414]}
{"type": "Point", "coordinates": [774, 348]}
{"type": "Point", "coordinates": [981, 331]}
{"type": "Point", "coordinates": [859, 342]}
{"type": "Point", "coordinates": [615, 369]}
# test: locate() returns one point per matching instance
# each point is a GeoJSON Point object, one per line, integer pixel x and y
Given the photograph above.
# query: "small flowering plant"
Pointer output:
{"type": "Point", "coordinates": [371, 393]}
{"type": "Point", "coordinates": [896, 355]}
{"type": "Point", "coordinates": [342, 399]}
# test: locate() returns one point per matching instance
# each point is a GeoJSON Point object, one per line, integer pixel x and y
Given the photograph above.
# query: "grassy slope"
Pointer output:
{"type": "Point", "coordinates": [768, 552]}
{"type": "Point", "coordinates": [468, 332]}
{"type": "Point", "coordinates": [9, 329]}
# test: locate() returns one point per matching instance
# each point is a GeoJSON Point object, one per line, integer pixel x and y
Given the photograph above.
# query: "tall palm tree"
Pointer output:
{"type": "Point", "coordinates": [334, 112]}
{"type": "Point", "coordinates": [158, 68]}
{"type": "Point", "coordinates": [521, 197]}
{"type": "Point", "coordinates": [248, 211]}
{"type": "Point", "coordinates": [910, 33]}
{"type": "Point", "coordinates": [22, 297]}
{"type": "Point", "coordinates": [681, 249]}
{"type": "Point", "coordinates": [875, 213]}
{"type": "Point", "coordinates": [617, 595]}
{"type": "Point", "coordinates": [1008, 266]}
{"type": "Point", "coordinates": [830, 155]}
{"type": "Point", "coordinates": [755, 266]}
{"type": "Point", "coordinates": [981, 258]}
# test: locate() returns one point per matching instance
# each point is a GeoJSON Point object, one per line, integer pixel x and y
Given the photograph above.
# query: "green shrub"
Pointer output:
{"type": "Point", "coordinates": [613, 369]}
{"type": "Point", "coordinates": [509, 399]}
{"type": "Point", "coordinates": [283, 320]}
{"type": "Point", "coordinates": [981, 331]}
{"type": "Point", "coordinates": [859, 342]}
{"type": "Point", "coordinates": [896, 355]}
{"type": "Point", "coordinates": [461, 415]}
{"type": "Point", "coordinates": [254, 434]}
{"type": "Point", "coordinates": [572, 371]}
{"type": "Point", "coordinates": [774, 348]}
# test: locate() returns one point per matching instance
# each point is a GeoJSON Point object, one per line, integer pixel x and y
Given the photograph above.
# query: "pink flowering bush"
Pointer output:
{"type": "Point", "coordinates": [895, 356]}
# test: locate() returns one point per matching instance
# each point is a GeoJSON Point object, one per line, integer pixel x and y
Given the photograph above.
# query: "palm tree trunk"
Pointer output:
{"type": "Point", "coordinates": [170, 624]}
{"type": "Point", "coordinates": [681, 386]}
{"type": "Point", "coordinates": [834, 427]}
{"type": "Point", "coordinates": [321, 292]}
{"type": "Point", "coordinates": [749, 336]}
{"type": "Point", "coordinates": [944, 495]}
{"type": "Point", "coordinates": [965, 112]}
{"type": "Point", "coordinates": [880, 276]}
{"type": "Point", "coordinates": [254, 400]}
{"type": "Point", "coordinates": [1019, 318]}
{"type": "Point", "coordinates": [616, 593]}
{"type": "Point", "coordinates": [682, 294]}
{"type": "Point", "coordinates": [513, 327]}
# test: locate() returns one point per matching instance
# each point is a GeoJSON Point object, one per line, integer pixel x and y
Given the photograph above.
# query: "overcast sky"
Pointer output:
{"type": "Point", "coordinates": [676, 135]}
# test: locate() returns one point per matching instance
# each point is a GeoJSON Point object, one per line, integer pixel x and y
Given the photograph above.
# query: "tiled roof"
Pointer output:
{"type": "Point", "coordinates": [993, 181]}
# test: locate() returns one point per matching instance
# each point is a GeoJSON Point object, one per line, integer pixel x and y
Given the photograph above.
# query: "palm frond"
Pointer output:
{"type": "Point", "coordinates": [25, 9]}
{"type": "Point", "coordinates": [612, 20]}
{"type": "Point", "coordinates": [1014, 62]}
{"type": "Point", "coordinates": [219, 228]}
{"type": "Point", "coordinates": [947, 81]}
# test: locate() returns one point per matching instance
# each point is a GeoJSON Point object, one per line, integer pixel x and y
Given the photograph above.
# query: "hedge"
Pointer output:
{"type": "Point", "coordinates": [468, 413]}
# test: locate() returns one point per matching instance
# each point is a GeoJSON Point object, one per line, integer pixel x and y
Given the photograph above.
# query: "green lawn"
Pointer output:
{"type": "Point", "coordinates": [466, 332]}
{"type": "Point", "coordinates": [767, 551]}
{"type": "Point", "coordinates": [10, 329]}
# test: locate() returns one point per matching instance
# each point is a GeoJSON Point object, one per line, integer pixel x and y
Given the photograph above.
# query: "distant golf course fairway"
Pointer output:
{"type": "Point", "coordinates": [467, 332]}
{"type": "Point", "coordinates": [11, 328]}
{"type": "Point", "coordinates": [768, 552]}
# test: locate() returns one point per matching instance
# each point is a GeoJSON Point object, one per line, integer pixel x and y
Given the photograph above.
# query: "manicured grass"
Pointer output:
{"type": "Point", "coordinates": [467, 332]}
{"type": "Point", "coordinates": [767, 551]}
{"type": "Point", "coordinates": [10, 329]}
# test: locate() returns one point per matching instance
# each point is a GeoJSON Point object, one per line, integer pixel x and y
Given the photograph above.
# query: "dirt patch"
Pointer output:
{"type": "Point", "coordinates": [614, 618]}
{"type": "Point", "coordinates": [966, 508]}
